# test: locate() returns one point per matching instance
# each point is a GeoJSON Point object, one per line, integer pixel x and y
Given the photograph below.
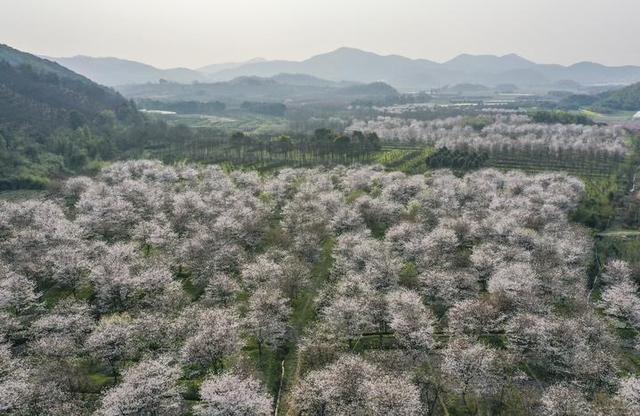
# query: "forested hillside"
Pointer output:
{"type": "Point", "coordinates": [627, 99]}
{"type": "Point", "coordinates": [39, 96]}
{"type": "Point", "coordinates": [623, 99]}
{"type": "Point", "coordinates": [52, 120]}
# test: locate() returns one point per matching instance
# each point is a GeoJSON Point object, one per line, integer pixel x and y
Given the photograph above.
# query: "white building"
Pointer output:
{"type": "Point", "coordinates": [637, 115]}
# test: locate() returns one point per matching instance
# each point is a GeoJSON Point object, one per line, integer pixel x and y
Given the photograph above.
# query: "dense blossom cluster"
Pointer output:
{"type": "Point", "coordinates": [503, 133]}
{"type": "Point", "coordinates": [149, 285]}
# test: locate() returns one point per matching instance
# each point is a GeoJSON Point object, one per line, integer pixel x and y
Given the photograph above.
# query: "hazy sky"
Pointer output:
{"type": "Point", "coordinates": [193, 33]}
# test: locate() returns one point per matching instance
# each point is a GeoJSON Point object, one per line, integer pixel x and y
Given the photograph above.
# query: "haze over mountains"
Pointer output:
{"type": "Point", "coordinates": [354, 65]}
{"type": "Point", "coordinates": [114, 71]}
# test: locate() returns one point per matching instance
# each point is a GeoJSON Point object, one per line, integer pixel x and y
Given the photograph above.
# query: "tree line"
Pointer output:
{"type": "Point", "coordinates": [322, 146]}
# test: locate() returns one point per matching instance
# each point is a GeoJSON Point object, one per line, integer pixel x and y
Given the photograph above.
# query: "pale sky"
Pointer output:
{"type": "Point", "coordinates": [193, 33]}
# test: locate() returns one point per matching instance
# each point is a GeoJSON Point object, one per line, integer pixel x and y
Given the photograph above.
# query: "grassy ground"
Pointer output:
{"type": "Point", "coordinates": [279, 369]}
{"type": "Point", "coordinates": [304, 314]}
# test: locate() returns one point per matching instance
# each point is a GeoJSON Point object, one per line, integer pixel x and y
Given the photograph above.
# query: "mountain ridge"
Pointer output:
{"type": "Point", "coordinates": [356, 65]}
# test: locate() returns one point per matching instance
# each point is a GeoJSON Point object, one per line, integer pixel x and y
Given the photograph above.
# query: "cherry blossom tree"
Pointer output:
{"type": "Point", "coordinates": [410, 320]}
{"type": "Point", "coordinates": [233, 395]}
{"type": "Point", "coordinates": [617, 271]}
{"type": "Point", "coordinates": [512, 132]}
{"type": "Point", "coordinates": [218, 335]}
{"type": "Point", "coordinates": [147, 269]}
{"type": "Point", "coordinates": [620, 298]}
{"type": "Point", "coordinates": [122, 281]}
{"type": "Point", "coordinates": [263, 273]}
{"type": "Point", "coordinates": [114, 341]}
{"type": "Point", "coordinates": [475, 317]}
{"type": "Point", "coordinates": [15, 388]}
{"type": "Point", "coordinates": [149, 387]}
{"type": "Point", "coordinates": [267, 318]}
{"type": "Point", "coordinates": [352, 386]}
{"type": "Point", "coordinates": [221, 290]}
{"type": "Point", "coordinates": [17, 293]}
{"type": "Point", "coordinates": [470, 369]}
{"type": "Point", "coordinates": [565, 400]}
{"type": "Point", "coordinates": [62, 332]}
{"type": "Point", "coordinates": [628, 395]}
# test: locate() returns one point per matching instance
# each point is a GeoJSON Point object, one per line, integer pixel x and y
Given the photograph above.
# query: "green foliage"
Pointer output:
{"type": "Point", "coordinates": [54, 122]}
{"type": "Point", "coordinates": [578, 101]}
{"type": "Point", "coordinates": [478, 123]}
{"type": "Point", "coordinates": [409, 276]}
{"type": "Point", "coordinates": [37, 102]}
{"type": "Point", "coordinates": [17, 58]}
{"type": "Point", "coordinates": [560, 117]}
{"type": "Point", "coordinates": [458, 160]}
{"type": "Point", "coordinates": [267, 153]}
{"type": "Point", "coordinates": [597, 208]}
{"type": "Point", "coordinates": [619, 246]}
{"type": "Point", "coordinates": [608, 202]}
{"type": "Point", "coordinates": [625, 99]}
{"type": "Point", "coordinates": [404, 159]}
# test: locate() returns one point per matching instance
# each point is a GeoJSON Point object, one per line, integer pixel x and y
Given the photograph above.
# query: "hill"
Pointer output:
{"type": "Point", "coordinates": [282, 87]}
{"type": "Point", "coordinates": [348, 64]}
{"type": "Point", "coordinates": [38, 95]}
{"type": "Point", "coordinates": [48, 115]}
{"type": "Point", "coordinates": [488, 63]}
{"type": "Point", "coordinates": [623, 99]}
{"type": "Point", "coordinates": [16, 58]}
{"type": "Point", "coordinates": [114, 71]}
{"type": "Point", "coordinates": [375, 89]}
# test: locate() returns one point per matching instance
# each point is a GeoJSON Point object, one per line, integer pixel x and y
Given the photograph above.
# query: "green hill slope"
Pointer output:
{"type": "Point", "coordinates": [52, 120]}
{"type": "Point", "coordinates": [38, 96]}
{"type": "Point", "coordinates": [623, 99]}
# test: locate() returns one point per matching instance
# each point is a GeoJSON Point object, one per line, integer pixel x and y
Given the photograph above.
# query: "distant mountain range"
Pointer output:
{"type": "Point", "coordinates": [212, 69]}
{"type": "Point", "coordinates": [354, 65]}
{"type": "Point", "coordinates": [114, 71]}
